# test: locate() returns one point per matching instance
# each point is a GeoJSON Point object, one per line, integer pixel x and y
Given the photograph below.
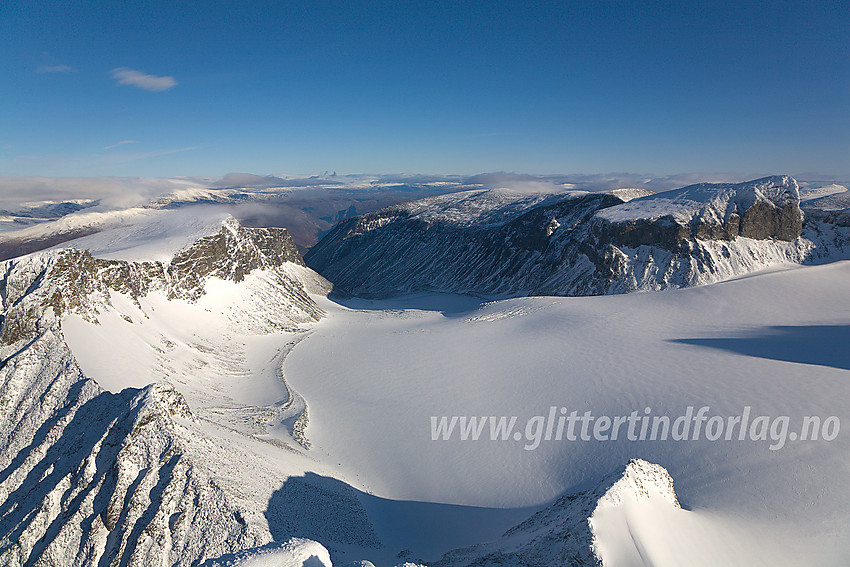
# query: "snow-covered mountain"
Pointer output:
{"type": "Point", "coordinates": [500, 242]}
{"type": "Point", "coordinates": [307, 206]}
{"type": "Point", "coordinates": [130, 477]}
{"type": "Point", "coordinates": [127, 403]}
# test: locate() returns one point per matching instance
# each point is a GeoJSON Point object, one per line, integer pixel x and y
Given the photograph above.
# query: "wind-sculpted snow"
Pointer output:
{"type": "Point", "coordinates": [295, 552]}
{"type": "Point", "coordinates": [91, 477]}
{"type": "Point", "coordinates": [563, 533]}
{"type": "Point", "coordinates": [504, 243]}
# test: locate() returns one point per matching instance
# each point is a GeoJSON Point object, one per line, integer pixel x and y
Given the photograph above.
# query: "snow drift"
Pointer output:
{"type": "Point", "coordinates": [565, 532]}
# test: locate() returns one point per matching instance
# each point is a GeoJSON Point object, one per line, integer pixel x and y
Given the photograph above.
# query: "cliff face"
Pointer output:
{"type": "Point", "coordinates": [230, 255]}
{"type": "Point", "coordinates": [92, 477]}
{"type": "Point", "coordinates": [485, 242]}
{"type": "Point", "coordinates": [763, 209]}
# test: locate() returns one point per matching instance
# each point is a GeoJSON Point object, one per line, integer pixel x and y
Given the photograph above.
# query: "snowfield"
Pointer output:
{"type": "Point", "coordinates": [374, 372]}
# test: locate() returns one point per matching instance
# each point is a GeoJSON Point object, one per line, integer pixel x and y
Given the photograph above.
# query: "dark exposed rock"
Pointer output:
{"type": "Point", "coordinates": [93, 477]}
{"type": "Point", "coordinates": [230, 254]}
{"type": "Point", "coordinates": [763, 209]}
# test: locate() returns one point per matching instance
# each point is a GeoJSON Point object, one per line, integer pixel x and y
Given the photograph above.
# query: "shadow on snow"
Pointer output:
{"type": "Point", "coordinates": [821, 345]}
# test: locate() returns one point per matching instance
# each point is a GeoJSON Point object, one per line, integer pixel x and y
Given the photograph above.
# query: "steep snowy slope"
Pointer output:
{"type": "Point", "coordinates": [828, 224]}
{"type": "Point", "coordinates": [631, 518]}
{"type": "Point", "coordinates": [566, 532]}
{"type": "Point", "coordinates": [501, 242]}
{"type": "Point", "coordinates": [136, 477]}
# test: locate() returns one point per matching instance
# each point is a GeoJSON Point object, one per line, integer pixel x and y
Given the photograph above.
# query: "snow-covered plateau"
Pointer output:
{"type": "Point", "coordinates": [183, 390]}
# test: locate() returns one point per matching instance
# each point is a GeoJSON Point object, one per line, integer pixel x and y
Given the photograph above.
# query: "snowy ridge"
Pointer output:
{"type": "Point", "coordinates": [88, 475]}
{"type": "Point", "coordinates": [157, 235]}
{"type": "Point", "coordinates": [832, 208]}
{"type": "Point", "coordinates": [564, 532]}
{"type": "Point", "coordinates": [131, 477]}
{"type": "Point", "coordinates": [708, 201]}
{"type": "Point", "coordinates": [828, 223]}
{"type": "Point", "coordinates": [307, 206]}
{"type": "Point", "coordinates": [492, 207]}
{"type": "Point", "coordinates": [508, 244]}
{"type": "Point", "coordinates": [297, 552]}
{"type": "Point", "coordinates": [630, 193]}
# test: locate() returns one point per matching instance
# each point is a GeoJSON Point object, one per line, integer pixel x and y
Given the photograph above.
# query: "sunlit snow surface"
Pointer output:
{"type": "Point", "coordinates": [373, 373]}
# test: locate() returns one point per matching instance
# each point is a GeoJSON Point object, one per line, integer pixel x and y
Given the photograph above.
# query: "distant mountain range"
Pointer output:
{"type": "Point", "coordinates": [505, 243]}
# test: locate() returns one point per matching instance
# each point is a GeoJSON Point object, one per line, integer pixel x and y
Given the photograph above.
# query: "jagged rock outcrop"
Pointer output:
{"type": "Point", "coordinates": [229, 255]}
{"type": "Point", "coordinates": [89, 477]}
{"type": "Point", "coordinates": [563, 533]}
{"type": "Point", "coordinates": [73, 280]}
{"type": "Point", "coordinates": [504, 243]}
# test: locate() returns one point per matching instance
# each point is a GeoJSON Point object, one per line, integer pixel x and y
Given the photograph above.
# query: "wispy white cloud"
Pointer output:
{"type": "Point", "coordinates": [55, 69]}
{"type": "Point", "coordinates": [121, 143]}
{"type": "Point", "coordinates": [110, 192]}
{"type": "Point", "coordinates": [127, 76]}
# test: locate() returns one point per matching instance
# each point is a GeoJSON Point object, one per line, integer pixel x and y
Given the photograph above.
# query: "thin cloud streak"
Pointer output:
{"type": "Point", "coordinates": [131, 77]}
{"type": "Point", "coordinates": [121, 143]}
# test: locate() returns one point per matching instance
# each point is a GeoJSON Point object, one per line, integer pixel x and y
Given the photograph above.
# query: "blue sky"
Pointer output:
{"type": "Point", "coordinates": [204, 88]}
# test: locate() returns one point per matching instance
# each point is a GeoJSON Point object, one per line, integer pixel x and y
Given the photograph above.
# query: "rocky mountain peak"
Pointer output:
{"type": "Point", "coordinates": [72, 280]}
{"type": "Point", "coordinates": [91, 476]}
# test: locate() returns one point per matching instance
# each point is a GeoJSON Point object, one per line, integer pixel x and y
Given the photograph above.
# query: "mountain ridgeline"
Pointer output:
{"type": "Point", "coordinates": [90, 477]}
{"type": "Point", "coordinates": [504, 243]}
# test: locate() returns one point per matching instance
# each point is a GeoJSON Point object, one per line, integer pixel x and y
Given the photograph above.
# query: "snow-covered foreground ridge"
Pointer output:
{"type": "Point", "coordinates": [129, 478]}
{"type": "Point", "coordinates": [576, 243]}
{"type": "Point", "coordinates": [566, 532]}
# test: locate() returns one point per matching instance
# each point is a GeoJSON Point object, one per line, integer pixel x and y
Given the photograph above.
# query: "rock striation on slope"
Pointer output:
{"type": "Point", "coordinates": [564, 533]}
{"type": "Point", "coordinates": [88, 477]}
{"type": "Point", "coordinates": [828, 223]}
{"type": "Point", "coordinates": [503, 243]}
